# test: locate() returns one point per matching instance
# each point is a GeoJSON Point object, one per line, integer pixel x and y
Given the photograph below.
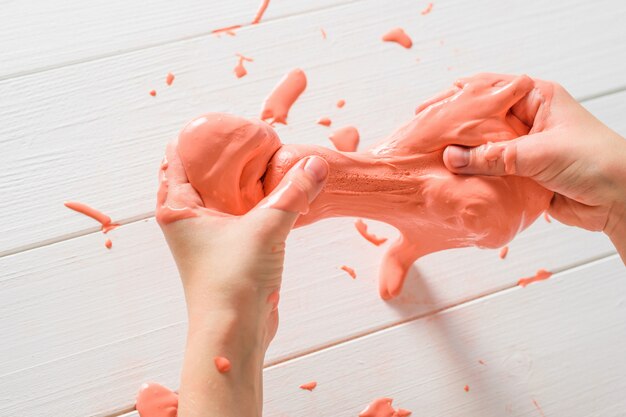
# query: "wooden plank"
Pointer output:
{"type": "Point", "coordinates": [559, 343]}
{"type": "Point", "coordinates": [90, 325]}
{"type": "Point", "coordinates": [39, 35]}
{"type": "Point", "coordinates": [91, 131]}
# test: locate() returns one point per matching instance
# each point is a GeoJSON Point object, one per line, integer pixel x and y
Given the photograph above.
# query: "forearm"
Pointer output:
{"type": "Point", "coordinates": [234, 329]}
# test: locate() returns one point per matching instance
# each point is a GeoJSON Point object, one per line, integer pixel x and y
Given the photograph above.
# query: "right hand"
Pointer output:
{"type": "Point", "coordinates": [569, 152]}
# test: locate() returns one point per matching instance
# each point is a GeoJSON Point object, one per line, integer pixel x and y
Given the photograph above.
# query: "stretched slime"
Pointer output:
{"type": "Point", "coordinates": [233, 163]}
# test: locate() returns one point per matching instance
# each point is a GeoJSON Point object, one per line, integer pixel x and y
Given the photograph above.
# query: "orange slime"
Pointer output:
{"type": "Point", "coordinates": [276, 107]}
{"type": "Point", "coordinates": [399, 36]}
{"type": "Point", "coordinates": [345, 139]}
{"type": "Point", "coordinates": [155, 400]}
{"type": "Point", "coordinates": [309, 386]}
{"type": "Point", "coordinates": [260, 12]}
{"type": "Point", "coordinates": [222, 364]}
{"type": "Point", "coordinates": [349, 271]}
{"type": "Point", "coordinates": [361, 227]}
{"type": "Point", "coordinates": [541, 275]}
{"type": "Point", "coordinates": [234, 163]}
{"type": "Point", "coordinates": [381, 407]}
{"type": "Point", "coordinates": [105, 221]}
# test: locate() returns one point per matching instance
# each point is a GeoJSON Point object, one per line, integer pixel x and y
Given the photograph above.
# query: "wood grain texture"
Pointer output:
{"type": "Point", "coordinates": [37, 35]}
{"type": "Point", "coordinates": [91, 132]}
{"type": "Point", "coordinates": [90, 325]}
{"type": "Point", "coordinates": [558, 342]}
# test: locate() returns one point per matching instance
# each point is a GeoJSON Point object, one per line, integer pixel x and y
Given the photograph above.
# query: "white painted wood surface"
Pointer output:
{"type": "Point", "coordinates": [37, 35]}
{"type": "Point", "coordinates": [83, 327]}
{"type": "Point", "coordinates": [558, 342]}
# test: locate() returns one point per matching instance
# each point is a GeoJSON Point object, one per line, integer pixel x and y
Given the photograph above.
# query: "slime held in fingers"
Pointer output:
{"type": "Point", "coordinates": [234, 163]}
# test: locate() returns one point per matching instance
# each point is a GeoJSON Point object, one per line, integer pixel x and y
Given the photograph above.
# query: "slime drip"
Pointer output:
{"type": "Point", "coordinates": [345, 139]}
{"type": "Point", "coordinates": [234, 163]}
{"type": "Point", "coordinates": [222, 364]}
{"type": "Point", "coordinates": [340, 103]}
{"type": "Point", "coordinates": [466, 388]}
{"type": "Point", "coordinates": [276, 106]}
{"type": "Point", "coordinates": [309, 386]}
{"type": "Point", "coordinates": [104, 220]}
{"type": "Point", "coordinates": [153, 93]}
{"type": "Point", "coordinates": [427, 9]}
{"type": "Point", "coordinates": [381, 407]}
{"type": "Point", "coordinates": [541, 275]}
{"type": "Point", "coordinates": [169, 79]}
{"type": "Point", "coordinates": [155, 400]}
{"type": "Point", "coordinates": [349, 271]}
{"type": "Point", "coordinates": [399, 36]}
{"type": "Point", "coordinates": [108, 244]}
{"type": "Point", "coordinates": [504, 251]}
{"type": "Point", "coordinates": [361, 227]}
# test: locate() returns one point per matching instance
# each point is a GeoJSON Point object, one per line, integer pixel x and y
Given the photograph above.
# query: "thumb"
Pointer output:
{"type": "Point", "coordinates": [525, 156]}
{"type": "Point", "coordinates": [296, 191]}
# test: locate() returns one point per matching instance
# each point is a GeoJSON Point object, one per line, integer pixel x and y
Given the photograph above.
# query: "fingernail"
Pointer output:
{"type": "Point", "coordinates": [317, 168]}
{"type": "Point", "coordinates": [458, 157]}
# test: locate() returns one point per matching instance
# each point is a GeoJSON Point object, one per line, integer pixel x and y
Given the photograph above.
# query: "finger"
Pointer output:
{"type": "Point", "coordinates": [573, 213]}
{"type": "Point", "coordinates": [175, 196]}
{"type": "Point", "coordinates": [297, 190]}
{"type": "Point", "coordinates": [526, 156]}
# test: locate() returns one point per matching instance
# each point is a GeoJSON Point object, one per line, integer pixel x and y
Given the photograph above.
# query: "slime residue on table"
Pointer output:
{"type": "Point", "coordinates": [361, 227]}
{"type": "Point", "coordinates": [504, 251]}
{"type": "Point", "coordinates": [169, 78]}
{"type": "Point", "coordinates": [309, 386]}
{"type": "Point", "coordinates": [155, 400]}
{"type": "Point", "coordinates": [106, 225]}
{"type": "Point", "coordinates": [240, 70]}
{"type": "Point", "coordinates": [348, 270]}
{"type": "Point", "coordinates": [153, 93]}
{"type": "Point", "coordinates": [108, 244]}
{"type": "Point", "coordinates": [399, 36]}
{"type": "Point", "coordinates": [234, 163]}
{"type": "Point", "coordinates": [466, 388]}
{"type": "Point", "coordinates": [427, 9]}
{"type": "Point", "coordinates": [277, 105]}
{"type": "Point", "coordinates": [541, 275]}
{"type": "Point", "coordinates": [324, 121]}
{"type": "Point", "coordinates": [382, 407]}
{"type": "Point", "coordinates": [340, 103]}
{"type": "Point", "coordinates": [260, 12]}
{"type": "Point", "coordinates": [345, 139]}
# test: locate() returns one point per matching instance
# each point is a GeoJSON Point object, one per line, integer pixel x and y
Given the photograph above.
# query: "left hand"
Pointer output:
{"type": "Point", "coordinates": [231, 271]}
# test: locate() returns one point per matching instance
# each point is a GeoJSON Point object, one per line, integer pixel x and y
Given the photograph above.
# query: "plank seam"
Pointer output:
{"type": "Point", "coordinates": [557, 274]}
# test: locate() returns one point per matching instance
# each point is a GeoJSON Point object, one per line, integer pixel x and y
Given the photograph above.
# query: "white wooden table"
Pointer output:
{"type": "Point", "coordinates": [82, 327]}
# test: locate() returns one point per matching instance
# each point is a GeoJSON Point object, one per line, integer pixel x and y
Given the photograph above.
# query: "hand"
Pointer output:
{"type": "Point", "coordinates": [567, 151]}
{"type": "Point", "coordinates": [231, 270]}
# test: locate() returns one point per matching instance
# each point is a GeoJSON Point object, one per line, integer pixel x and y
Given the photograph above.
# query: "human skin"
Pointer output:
{"type": "Point", "coordinates": [231, 271]}
{"type": "Point", "coordinates": [572, 154]}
